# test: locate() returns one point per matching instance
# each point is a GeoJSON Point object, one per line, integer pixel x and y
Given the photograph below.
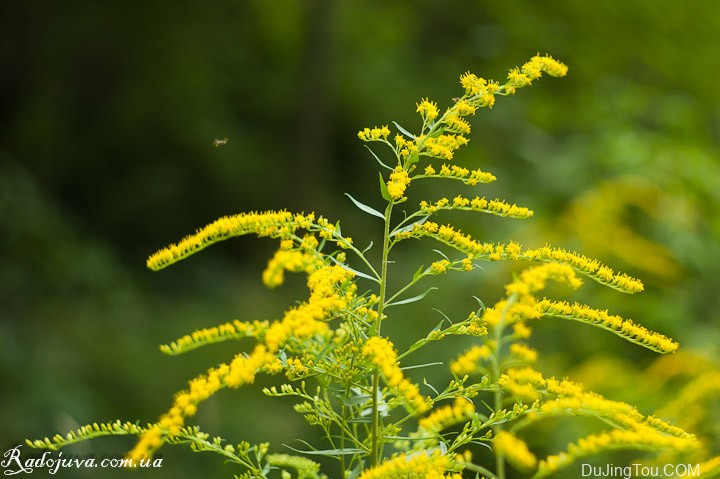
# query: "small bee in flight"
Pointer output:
{"type": "Point", "coordinates": [218, 142]}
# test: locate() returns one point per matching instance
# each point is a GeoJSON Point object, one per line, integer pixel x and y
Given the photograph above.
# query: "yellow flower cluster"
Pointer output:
{"type": "Point", "coordinates": [242, 370]}
{"type": "Point", "coordinates": [522, 383]}
{"type": "Point", "coordinates": [592, 268]}
{"type": "Point", "coordinates": [287, 260]}
{"type": "Point", "coordinates": [448, 415]}
{"type": "Point", "coordinates": [455, 124]}
{"type": "Point", "coordinates": [548, 254]}
{"type": "Point", "coordinates": [624, 328]}
{"type": "Point", "coordinates": [469, 177]}
{"type": "Point", "coordinates": [439, 267]}
{"type": "Point", "coordinates": [534, 279]}
{"type": "Point", "coordinates": [496, 207]}
{"type": "Point", "coordinates": [567, 397]}
{"type": "Point", "coordinates": [331, 289]}
{"type": "Point", "coordinates": [514, 450]}
{"type": "Point", "coordinates": [399, 180]}
{"type": "Point", "coordinates": [421, 465]}
{"type": "Point", "coordinates": [269, 223]}
{"type": "Point", "coordinates": [374, 134]}
{"type": "Point", "coordinates": [479, 92]}
{"type": "Point", "coordinates": [305, 320]}
{"type": "Point", "coordinates": [444, 146]}
{"type": "Point", "coordinates": [461, 242]}
{"type": "Point", "coordinates": [521, 304]}
{"type": "Point", "coordinates": [382, 354]}
{"type": "Point", "coordinates": [405, 148]}
{"type": "Point", "coordinates": [467, 362]}
{"type": "Point", "coordinates": [297, 368]}
{"type": "Point", "coordinates": [521, 331]}
{"type": "Point", "coordinates": [523, 353]}
{"type": "Point", "coordinates": [231, 330]}
{"type": "Point", "coordinates": [427, 109]}
{"type": "Point", "coordinates": [533, 69]}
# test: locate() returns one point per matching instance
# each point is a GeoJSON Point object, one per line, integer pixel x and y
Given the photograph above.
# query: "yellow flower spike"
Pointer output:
{"type": "Point", "coordinates": [467, 362]}
{"type": "Point", "coordinates": [521, 331]}
{"type": "Point", "coordinates": [422, 465]}
{"type": "Point", "coordinates": [523, 353]}
{"type": "Point", "coordinates": [269, 223]}
{"type": "Point", "coordinates": [382, 354]}
{"type": "Point", "coordinates": [231, 330]}
{"type": "Point", "coordinates": [624, 328]}
{"type": "Point", "coordinates": [495, 207]}
{"type": "Point", "coordinates": [448, 415]}
{"type": "Point", "coordinates": [514, 450]}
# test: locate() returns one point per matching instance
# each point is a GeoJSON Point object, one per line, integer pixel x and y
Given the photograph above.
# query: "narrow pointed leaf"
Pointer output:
{"type": "Point", "coordinates": [329, 452]}
{"type": "Point", "coordinates": [411, 300]}
{"type": "Point", "coordinates": [367, 209]}
{"type": "Point", "coordinates": [383, 189]}
{"type": "Point", "coordinates": [368, 248]}
{"type": "Point", "coordinates": [358, 273]}
{"type": "Point", "coordinates": [404, 131]}
{"type": "Point", "coordinates": [418, 366]}
{"type": "Point", "coordinates": [377, 159]}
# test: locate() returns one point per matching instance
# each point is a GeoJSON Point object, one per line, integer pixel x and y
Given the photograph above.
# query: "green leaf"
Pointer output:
{"type": "Point", "coordinates": [436, 133]}
{"type": "Point", "coordinates": [355, 400]}
{"type": "Point", "coordinates": [329, 452]}
{"type": "Point", "coordinates": [367, 209]}
{"type": "Point", "coordinates": [417, 366]}
{"type": "Point", "coordinates": [431, 386]}
{"type": "Point", "coordinates": [368, 248]}
{"type": "Point", "coordinates": [358, 273]}
{"type": "Point", "coordinates": [404, 131]}
{"type": "Point", "coordinates": [411, 300]}
{"type": "Point", "coordinates": [360, 420]}
{"type": "Point", "coordinates": [377, 159]}
{"type": "Point", "coordinates": [418, 272]}
{"type": "Point", "coordinates": [383, 189]}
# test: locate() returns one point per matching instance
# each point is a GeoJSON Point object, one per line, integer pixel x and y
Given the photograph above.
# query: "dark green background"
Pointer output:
{"type": "Point", "coordinates": [108, 112]}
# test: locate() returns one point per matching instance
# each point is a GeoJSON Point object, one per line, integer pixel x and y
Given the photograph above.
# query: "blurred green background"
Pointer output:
{"type": "Point", "coordinates": [108, 112]}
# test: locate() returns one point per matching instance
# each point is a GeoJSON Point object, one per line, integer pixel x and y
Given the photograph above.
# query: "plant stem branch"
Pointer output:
{"type": "Point", "coordinates": [375, 443]}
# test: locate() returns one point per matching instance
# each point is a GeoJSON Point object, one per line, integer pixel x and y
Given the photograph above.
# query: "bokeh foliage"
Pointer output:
{"type": "Point", "coordinates": [108, 112]}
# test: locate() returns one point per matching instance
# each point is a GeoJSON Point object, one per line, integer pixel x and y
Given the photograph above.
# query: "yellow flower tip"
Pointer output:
{"type": "Point", "coordinates": [422, 465]}
{"type": "Point", "coordinates": [374, 134]}
{"type": "Point", "coordinates": [515, 451]}
{"type": "Point", "coordinates": [469, 361]}
{"type": "Point", "coordinates": [440, 267]}
{"type": "Point", "coordinates": [427, 109]}
{"type": "Point", "coordinates": [399, 181]}
{"type": "Point", "coordinates": [551, 66]}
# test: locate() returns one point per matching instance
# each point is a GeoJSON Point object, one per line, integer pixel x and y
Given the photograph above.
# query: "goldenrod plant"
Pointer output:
{"type": "Point", "coordinates": [379, 419]}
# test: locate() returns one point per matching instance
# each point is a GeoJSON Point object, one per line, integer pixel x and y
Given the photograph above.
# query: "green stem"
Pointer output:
{"type": "Point", "coordinates": [375, 443]}
{"type": "Point", "coordinates": [498, 395]}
